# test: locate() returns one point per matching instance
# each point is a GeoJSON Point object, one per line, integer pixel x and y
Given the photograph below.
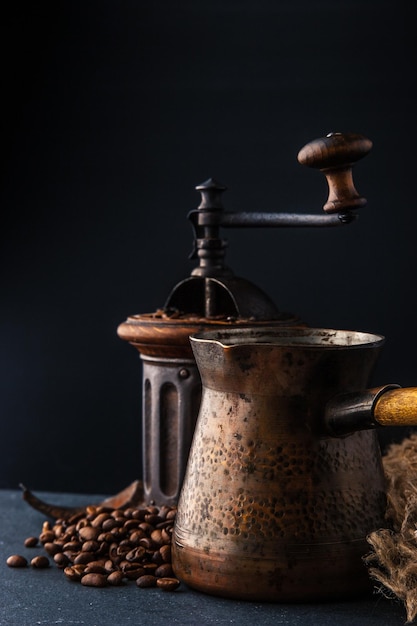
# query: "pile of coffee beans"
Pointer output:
{"type": "Point", "coordinates": [104, 546]}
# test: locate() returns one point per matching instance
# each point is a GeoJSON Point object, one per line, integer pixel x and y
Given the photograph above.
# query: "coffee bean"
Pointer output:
{"type": "Point", "coordinates": [146, 581]}
{"type": "Point", "coordinates": [139, 514]}
{"type": "Point", "coordinates": [74, 572]}
{"type": "Point", "coordinates": [156, 536]}
{"type": "Point", "coordinates": [168, 584]}
{"type": "Point", "coordinates": [134, 573]}
{"type": "Point", "coordinates": [70, 555]}
{"type": "Point", "coordinates": [165, 552]}
{"type": "Point", "coordinates": [97, 522]}
{"type": "Point", "coordinates": [70, 530]}
{"type": "Point", "coordinates": [72, 546]}
{"type": "Point", "coordinates": [82, 523]}
{"type": "Point", "coordinates": [157, 558]}
{"type": "Point", "coordinates": [94, 580]}
{"type": "Point", "coordinates": [52, 548]}
{"type": "Point", "coordinates": [47, 536]}
{"type": "Point", "coordinates": [109, 524]}
{"type": "Point", "coordinates": [163, 511]}
{"type": "Point", "coordinates": [152, 510]}
{"type": "Point", "coordinates": [130, 525]}
{"type": "Point", "coordinates": [164, 571]}
{"type": "Point", "coordinates": [136, 535]}
{"type": "Point", "coordinates": [164, 524]}
{"type": "Point", "coordinates": [95, 568]}
{"type": "Point", "coordinates": [109, 566]}
{"type": "Point", "coordinates": [16, 560]}
{"type": "Point", "coordinates": [150, 567]}
{"type": "Point", "coordinates": [31, 542]}
{"type": "Point", "coordinates": [90, 546]}
{"type": "Point", "coordinates": [153, 519]}
{"type": "Point", "coordinates": [147, 543]}
{"type": "Point", "coordinates": [97, 563]}
{"type": "Point", "coordinates": [118, 533]}
{"type": "Point", "coordinates": [40, 562]}
{"type": "Point", "coordinates": [84, 558]}
{"type": "Point", "coordinates": [58, 530]}
{"type": "Point", "coordinates": [61, 560]}
{"type": "Point", "coordinates": [115, 578]}
{"type": "Point", "coordinates": [122, 550]}
{"type": "Point", "coordinates": [146, 527]}
{"type": "Point", "coordinates": [136, 554]}
{"type": "Point", "coordinates": [88, 533]}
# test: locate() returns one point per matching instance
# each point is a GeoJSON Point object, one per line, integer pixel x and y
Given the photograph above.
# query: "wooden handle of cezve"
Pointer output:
{"type": "Point", "coordinates": [397, 407]}
{"type": "Point", "coordinates": [335, 155]}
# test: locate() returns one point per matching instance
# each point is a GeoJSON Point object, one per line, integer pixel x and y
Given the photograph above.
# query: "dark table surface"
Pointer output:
{"type": "Point", "coordinates": [32, 597]}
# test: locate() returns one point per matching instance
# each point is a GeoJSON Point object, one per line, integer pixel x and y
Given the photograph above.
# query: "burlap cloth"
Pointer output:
{"type": "Point", "coordinates": [392, 562]}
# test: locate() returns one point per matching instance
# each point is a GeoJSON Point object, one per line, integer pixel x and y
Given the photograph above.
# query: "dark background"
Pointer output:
{"type": "Point", "coordinates": [112, 113]}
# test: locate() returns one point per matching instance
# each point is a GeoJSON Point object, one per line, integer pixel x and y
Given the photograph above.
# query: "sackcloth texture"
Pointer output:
{"type": "Point", "coordinates": [392, 562]}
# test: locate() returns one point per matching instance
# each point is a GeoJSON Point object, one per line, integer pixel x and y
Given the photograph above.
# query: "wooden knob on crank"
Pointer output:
{"type": "Point", "coordinates": [335, 155]}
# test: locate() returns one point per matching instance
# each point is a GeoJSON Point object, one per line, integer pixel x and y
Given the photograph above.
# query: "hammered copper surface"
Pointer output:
{"type": "Point", "coordinates": [272, 509]}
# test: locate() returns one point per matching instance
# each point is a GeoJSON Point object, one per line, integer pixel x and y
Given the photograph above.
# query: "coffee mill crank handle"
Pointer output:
{"type": "Point", "coordinates": [334, 155]}
{"type": "Point", "coordinates": [389, 405]}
